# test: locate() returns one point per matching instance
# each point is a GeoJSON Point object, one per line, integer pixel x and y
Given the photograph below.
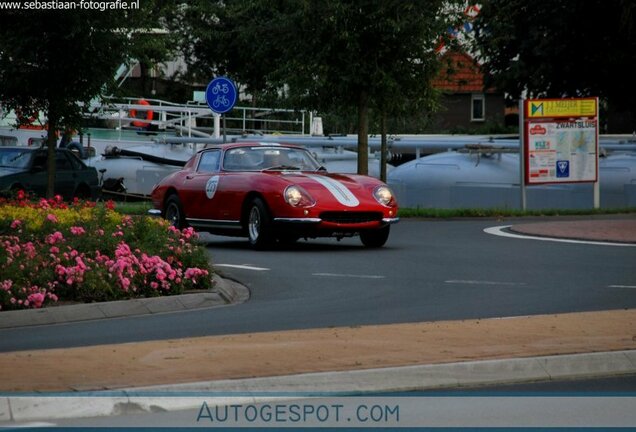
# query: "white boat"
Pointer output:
{"type": "Point", "coordinates": [464, 180]}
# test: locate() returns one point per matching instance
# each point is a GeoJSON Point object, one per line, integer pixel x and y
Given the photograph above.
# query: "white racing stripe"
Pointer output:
{"type": "Point", "coordinates": [337, 189]}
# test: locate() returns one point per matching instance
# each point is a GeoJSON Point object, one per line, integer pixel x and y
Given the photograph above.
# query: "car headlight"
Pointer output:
{"type": "Point", "coordinates": [296, 196]}
{"type": "Point", "coordinates": [383, 195]}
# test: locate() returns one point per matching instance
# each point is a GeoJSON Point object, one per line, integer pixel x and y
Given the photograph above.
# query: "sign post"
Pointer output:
{"type": "Point", "coordinates": [221, 96]}
{"type": "Point", "coordinates": [559, 143]}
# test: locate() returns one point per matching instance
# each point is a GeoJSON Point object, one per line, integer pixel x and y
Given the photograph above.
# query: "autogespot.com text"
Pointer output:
{"type": "Point", "coordinates": [301, 413]}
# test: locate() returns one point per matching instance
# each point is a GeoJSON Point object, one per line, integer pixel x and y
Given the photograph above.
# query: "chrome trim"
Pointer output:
{"type": "Point", "coordinates": [210, 223]}
{"type": "Point", "coordinates": [298, 220]}
{"type": "Point", "coordinates": [391, 220]}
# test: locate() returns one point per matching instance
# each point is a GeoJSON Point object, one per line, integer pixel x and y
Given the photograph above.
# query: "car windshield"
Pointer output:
{"type": "Point", "coordinates": [260, 158]}
{"type": "Point", "coordinates": [15, 158]}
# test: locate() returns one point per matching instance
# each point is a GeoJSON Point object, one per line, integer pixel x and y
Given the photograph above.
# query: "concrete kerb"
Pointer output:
{"type": "Point", "coordinates": [223, 293]}
{"type": "Point", "coordinates": [20, 408]}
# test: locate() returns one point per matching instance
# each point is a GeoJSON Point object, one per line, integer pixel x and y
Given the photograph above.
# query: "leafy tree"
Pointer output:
{"type": "Point", "coordinates": [366, 54]}
{"type": "Point", "coordinates": [55, 60]}
{"type": "Point", "coordinates": [560, 48]}
{"type": "Point", "coordinates": [323, 54]}
{"type": "Point", "coordinates": [242, 38]}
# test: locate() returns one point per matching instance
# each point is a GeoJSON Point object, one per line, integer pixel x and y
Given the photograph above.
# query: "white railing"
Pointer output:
{"type": "Point", "coordinates": [196, 119]}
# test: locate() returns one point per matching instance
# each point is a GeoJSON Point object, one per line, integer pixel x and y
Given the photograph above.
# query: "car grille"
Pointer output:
{"type": "Point", "coordinates": [351, 217]}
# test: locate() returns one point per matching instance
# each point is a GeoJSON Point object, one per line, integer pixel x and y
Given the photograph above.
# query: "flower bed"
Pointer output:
{"type": "Point", "coordinates": [53, 251]}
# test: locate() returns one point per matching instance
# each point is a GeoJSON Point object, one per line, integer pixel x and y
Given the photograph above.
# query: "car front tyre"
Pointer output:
{"type": "Point", "coordinates": [375, 238]}
{"type": "Point", "coordinates": [173, 212]}
{"type": "Point", "coordinates": [259, 225]}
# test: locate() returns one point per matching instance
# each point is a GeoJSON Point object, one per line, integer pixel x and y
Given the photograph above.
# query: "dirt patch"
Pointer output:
{"type": "Point", "coordinates": [319, 350]}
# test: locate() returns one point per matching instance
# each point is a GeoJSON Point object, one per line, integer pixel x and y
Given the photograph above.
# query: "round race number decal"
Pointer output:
{"type": "Point", "coordinates": [211, 186]}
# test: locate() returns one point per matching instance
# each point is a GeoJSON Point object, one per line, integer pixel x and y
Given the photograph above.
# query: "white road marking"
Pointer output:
{"type": "Point", "coordinates": [349, 275]}
{"type": "Point", "coordinates": [621, 286]}
{"type": "Point", "coordinates": [477, 282]}
{"type": "Point", "coordinates": [498, 231]}
{"type": "Point", "coordinates": [242, 267]}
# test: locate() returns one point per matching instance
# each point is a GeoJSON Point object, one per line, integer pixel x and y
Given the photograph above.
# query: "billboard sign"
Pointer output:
{"type": "Point", "coordinates": [560, 140]}
{"type": "Point", "coordinates": [558, 108]}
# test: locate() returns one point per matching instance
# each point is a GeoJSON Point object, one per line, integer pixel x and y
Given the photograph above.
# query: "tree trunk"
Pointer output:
{"type": "Point", "coordinates": [51, 143]}
{"type": "Point", "coordinates": [363, 134]}
{"type": "Point", "coordinates": [383, 147]}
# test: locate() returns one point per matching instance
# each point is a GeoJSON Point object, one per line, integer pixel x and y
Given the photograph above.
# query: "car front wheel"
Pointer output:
{"type": "Point", "coordinates": [259, 225]}
{"type": "Point", "coordinates": [376, 238]}
{"type": "Point", "coordinates": [173, 212]}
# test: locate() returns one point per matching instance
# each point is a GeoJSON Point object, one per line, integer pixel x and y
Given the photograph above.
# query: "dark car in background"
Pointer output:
{"type": "Point", "coordinates": [25, 168]}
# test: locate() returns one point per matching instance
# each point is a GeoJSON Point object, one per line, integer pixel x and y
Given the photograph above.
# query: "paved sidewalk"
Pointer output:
{"type": "Point", "coordinates": [349, 360]}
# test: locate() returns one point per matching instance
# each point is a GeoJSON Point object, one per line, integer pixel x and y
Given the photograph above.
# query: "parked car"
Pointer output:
{"type": "Point", "coordinates": [274, 193]}
{"type": "Point", "coordinates": [25, 168]}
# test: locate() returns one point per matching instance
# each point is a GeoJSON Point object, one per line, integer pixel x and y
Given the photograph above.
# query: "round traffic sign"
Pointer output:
{"type": "Point", "coordinates": [221, 95]}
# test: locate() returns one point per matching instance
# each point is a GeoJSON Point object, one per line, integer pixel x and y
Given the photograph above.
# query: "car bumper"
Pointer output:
{"type": "Point", "coordinates": [309, 221]}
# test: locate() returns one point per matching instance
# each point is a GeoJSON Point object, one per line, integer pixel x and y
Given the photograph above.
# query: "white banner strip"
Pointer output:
{"type": "Point", "coordinates": [218, 411]}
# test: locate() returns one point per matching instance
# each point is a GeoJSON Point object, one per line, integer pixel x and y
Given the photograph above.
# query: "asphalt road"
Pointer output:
{"type": "Point", "coordinates": [429, 270]}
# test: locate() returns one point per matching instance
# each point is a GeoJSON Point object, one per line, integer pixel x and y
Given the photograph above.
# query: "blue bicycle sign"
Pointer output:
{"type": "Point", "coordinates": [221, 95]}
{"type": "Point", "coordinates": [220, 88]}
{"type": "Point", "coordinates": [221, 102]}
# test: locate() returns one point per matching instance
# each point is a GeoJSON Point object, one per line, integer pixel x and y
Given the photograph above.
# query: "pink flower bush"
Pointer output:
{"type": "Point", "coordinates": [77, 231]}
{"type": "Point", "coordinates": [36, 299]}
{"type": "Point", "coordinates": [54, 238]}
{"type": "Point", "coordinates": [195, 274]}
{"type": "Point", "coordinates": [105, 257]}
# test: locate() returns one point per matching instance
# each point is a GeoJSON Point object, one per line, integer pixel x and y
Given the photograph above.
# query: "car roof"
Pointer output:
{"type": "Point", "coordinates": [228, 146]}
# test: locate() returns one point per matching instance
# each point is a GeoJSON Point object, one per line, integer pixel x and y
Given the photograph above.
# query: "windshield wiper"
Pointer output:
{"type": "Point", "coordinates": [282, 167]}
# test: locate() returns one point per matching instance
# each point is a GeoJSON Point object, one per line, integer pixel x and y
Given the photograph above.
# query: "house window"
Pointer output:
{"type": "Point", "coordinates": [478, 107]}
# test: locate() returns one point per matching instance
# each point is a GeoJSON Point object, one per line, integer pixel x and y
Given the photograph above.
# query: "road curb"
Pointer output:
{"type": "Point", "coordinates": [30, 407]}
{"type": "Point", "coordinates": [225, 292]}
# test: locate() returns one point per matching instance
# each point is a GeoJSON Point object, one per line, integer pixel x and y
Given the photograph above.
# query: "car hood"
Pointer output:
{"type": "Point", "coordinates": [9, 171]}
{"type": "Point", "coordinates": [348, 190]}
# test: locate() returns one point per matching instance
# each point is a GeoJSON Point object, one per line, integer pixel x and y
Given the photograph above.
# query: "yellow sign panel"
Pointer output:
{"type": "Point", "coordinates": [539, 108]}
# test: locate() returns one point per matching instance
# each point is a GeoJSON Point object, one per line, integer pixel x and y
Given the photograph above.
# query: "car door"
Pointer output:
{"type": "Point", "coordinates": [200, 187]}
{"type": "Point", "coordinates": [66, 176]}
{"type": "Point", "coordinates": [36, 179]}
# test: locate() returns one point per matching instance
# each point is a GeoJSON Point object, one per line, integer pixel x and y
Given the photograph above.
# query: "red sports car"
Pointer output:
{"type": "Point", "coordinates": [274, 192]}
